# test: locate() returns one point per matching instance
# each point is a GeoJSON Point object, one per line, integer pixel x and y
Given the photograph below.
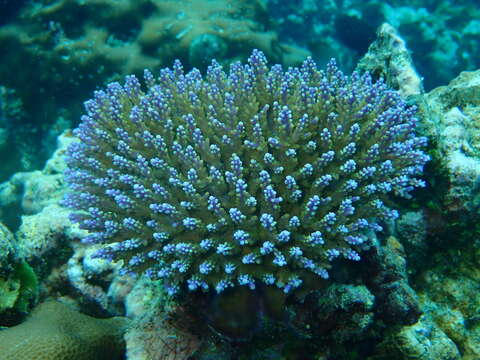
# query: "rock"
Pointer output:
{"type": "Point", "coordinates": [8, 250]}
{"type": "Point", "coordinates": [18, 281]}
{"type": "Point", "coordinates": [422, 341]}
{"type": "Point", "coordinates": [411, 230]}
{"type": "Point", "coordinates": [453, 114]}
{"type": "Point", "coordinates": [454, 305]}
{"type": "Point", "coordinates": [92, 279]}
{"type": "Point", "coordinates": [18, 292]}
{"type": "Point", "coordinates": [155, 336]}
{"type": "Point", "coordinates": [45, 233]}
{"type": "Point", "coordinates": [30, 192]}
{"type": "Point", "coordinates": [396, 301]}
{"type": "Point", "coordinates": [389, 58]}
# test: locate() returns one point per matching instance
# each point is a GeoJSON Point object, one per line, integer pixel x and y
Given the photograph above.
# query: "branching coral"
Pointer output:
{"type": "Point", "coordinates": [257, 176]}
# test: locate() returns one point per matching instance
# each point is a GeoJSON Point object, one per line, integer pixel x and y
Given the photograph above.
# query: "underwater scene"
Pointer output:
{"type": "Point", "coordinates": [239, 179]}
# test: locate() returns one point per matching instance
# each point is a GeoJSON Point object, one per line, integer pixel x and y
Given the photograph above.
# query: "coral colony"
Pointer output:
{"type": "Point", "coordinates": [256, 176]}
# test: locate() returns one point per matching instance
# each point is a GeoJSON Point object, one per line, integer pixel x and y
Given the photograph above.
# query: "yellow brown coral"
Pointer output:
{"type": "Point", "coordinates": [56, 332]}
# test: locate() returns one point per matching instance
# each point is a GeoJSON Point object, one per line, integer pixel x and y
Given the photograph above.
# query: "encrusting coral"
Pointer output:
{"type": "Point", "coordinates": [56, 332]}
{"type": "Point", "coordinates": [258, 176]}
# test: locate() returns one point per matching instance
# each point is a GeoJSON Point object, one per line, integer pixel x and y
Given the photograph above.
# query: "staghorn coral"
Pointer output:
{"type": "Point", "coordinates": [256, 176]}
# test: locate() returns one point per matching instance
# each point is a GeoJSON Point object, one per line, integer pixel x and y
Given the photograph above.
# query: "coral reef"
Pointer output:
{"type": "Point", "coordinates": [28, 193]}
{"type": "Point", "coordinates": [155, 338]}
{"type": "Point", "coordinates": [341, 313]}
{"type": "Point", "coordinates": [256, 176]}
{"type": "Point", "coordinates": [206, 30]}
{"type": "Point", "coordinates": [160, 329]}
{"type": "Point", "coordinates": [453, 306]}
{"type": "Point", "coordinates": [8, 251]}
{"type": "Point", "coordinates": [442, 35]}
{"type": "Point", "coordinates": [62, 49]}
{"type": "Point", "coordinates": [202, 197]}
{"type": "Point", "coordinates": [454, 124]}
{"type": "Point", "coordinates": [16, 147]}
{"type": "Point", "coordinates": [95, 281]}
{"type": "Point", "coordinates": [47, 241]}
{"type": "Point", "coordinates": [389, 58]}
{"type": "Point", "coordinates": [19, 291]}
{"type": "Point", "coordinates": [312, 25]}
{"type": "Point", "coordinates": [44, 235]}
{"type": "Point", "coordinates": [56, 332]}
{"type": "Point", "coordinates": [412, 232]}
{"type": "Point", "coordinates": [423, 341]}
{"type": "Point", "coordinates": [442, 235]}
{"type": "Point", "coordinates": [365, 299]}
{"type": "Point", "coordinates": [396, 301]}
{"type": "Point", "coordinates": [41, 235]}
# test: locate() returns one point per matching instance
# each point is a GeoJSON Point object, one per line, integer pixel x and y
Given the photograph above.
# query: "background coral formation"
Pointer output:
{"type": "Point", "coordinates": [441, 34]}
{"type": "Point", "coordinates": [62, 49]}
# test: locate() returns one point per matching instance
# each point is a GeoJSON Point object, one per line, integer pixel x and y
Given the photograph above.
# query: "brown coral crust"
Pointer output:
{"type": "Point", "coordinates": [57, 332]}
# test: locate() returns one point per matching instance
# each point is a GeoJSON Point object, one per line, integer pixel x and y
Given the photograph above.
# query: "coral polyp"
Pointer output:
{"type": "Point", "coordinates": [256, 176]}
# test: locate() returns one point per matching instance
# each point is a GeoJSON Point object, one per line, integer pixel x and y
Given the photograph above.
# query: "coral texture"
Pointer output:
{"type": "Point", "coordinates": [154, 336]}
{"type": "Point", "coordinates": [8, 251]}
{"type": "Point", "coordinates": [18, 282]}
{"type": "Point", "coordinates": [423, 340]}
{"type": "Point", "coordinates": [453, 114]}
{"type": "Point", "coordinates": [28, 193]}
{"type": "Point", "coordinates": [56, 332]}
{"type": "Point", "coordinates": [257, 176]}
{"type": "Point", "coordinates": [388, 57]}
{"type": "Point", "coordinates": [395, 300]}
{"type": "Point", "coordinates": [453, 307]}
